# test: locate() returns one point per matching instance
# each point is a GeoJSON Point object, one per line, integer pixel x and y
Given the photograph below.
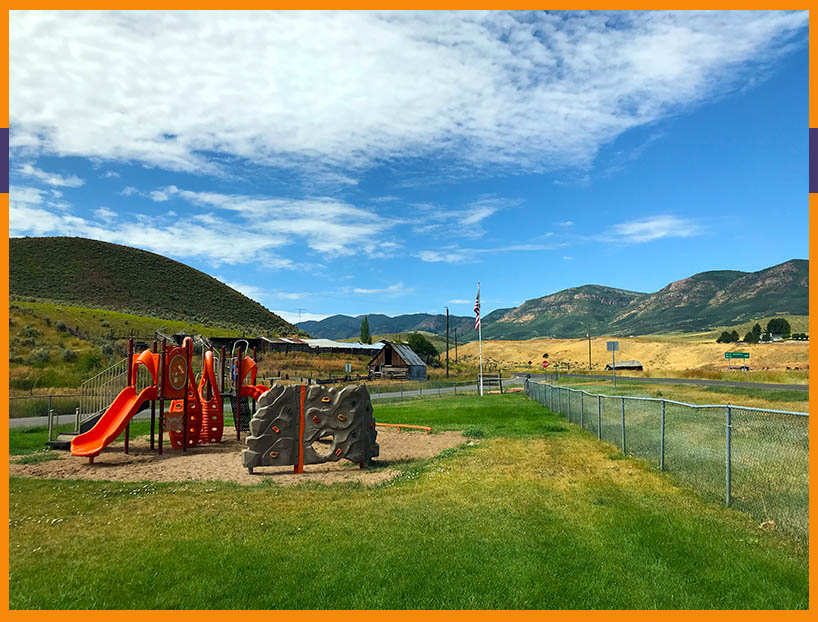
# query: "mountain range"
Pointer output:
{"type": "Point", "coordinates": [697, 303]}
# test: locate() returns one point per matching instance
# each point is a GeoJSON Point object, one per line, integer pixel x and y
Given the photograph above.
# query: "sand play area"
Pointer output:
{"type": "Point", "coordinates": [223, 462]}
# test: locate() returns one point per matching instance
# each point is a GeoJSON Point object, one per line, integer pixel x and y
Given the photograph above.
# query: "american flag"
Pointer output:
{"type": "Point", "coordinates": [477, 309]}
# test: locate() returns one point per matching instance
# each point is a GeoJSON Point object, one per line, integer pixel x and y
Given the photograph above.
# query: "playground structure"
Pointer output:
{"type": "Point", "coordinates": [195, 415]}
{"type": "Point", "coordinates": [297, 425]}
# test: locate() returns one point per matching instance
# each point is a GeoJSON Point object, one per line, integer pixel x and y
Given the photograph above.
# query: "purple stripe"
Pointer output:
{"type": "Point", "coordinates": [4, 165]}
{"type": "Point", "coordinates": [813, 159]}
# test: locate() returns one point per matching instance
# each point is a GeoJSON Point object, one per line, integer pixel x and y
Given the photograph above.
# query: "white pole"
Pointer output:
{"type": "Point", "coordinates": [480, 340]}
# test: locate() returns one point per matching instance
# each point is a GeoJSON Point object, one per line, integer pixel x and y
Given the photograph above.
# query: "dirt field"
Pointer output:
{"type": "Point", "coordinates": [223, 462]}
{"type": "Point", "coordinates": [654, 353]}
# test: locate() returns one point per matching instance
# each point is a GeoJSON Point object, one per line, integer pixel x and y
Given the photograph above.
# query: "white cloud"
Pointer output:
{"type": "Point", "coordinates": [327, 225]}
{"type": "Point", "coordinates": [465, 222]}
{"type": "Point", "coordinates": [460, 301]}
{"type": "Point", "coordinates": [396, 289]}
{"type": "Point", "coordinates": [567, 223]}
{"type": "Point", "coordinates": [455, 254]}
{"type": "Point", "coordinates": [522, 91]}
{"type": "Point", "coordinates": [51, 179]}
{"type": "Point", "coordinates": [652, 228]}
{"type": "Point", "coordinates": [128, 191]}
{"type": "Point", "coordinates": [31, 212]}
{"type": "Point", "coordinates": [105, 214]}
{"type": "Point", "coordinates": [111, 175]}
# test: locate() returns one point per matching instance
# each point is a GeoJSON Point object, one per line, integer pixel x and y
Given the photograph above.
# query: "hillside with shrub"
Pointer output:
{"type": "Point", "coordinates": [94, 274]}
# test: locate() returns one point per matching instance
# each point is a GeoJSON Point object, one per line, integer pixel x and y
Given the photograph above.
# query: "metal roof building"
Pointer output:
{"type": "Point", "coordinates": [397, 360]}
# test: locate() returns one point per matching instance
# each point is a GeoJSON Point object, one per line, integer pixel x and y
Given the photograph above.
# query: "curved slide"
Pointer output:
{"type": "Point", "coordinates": [112, 422]}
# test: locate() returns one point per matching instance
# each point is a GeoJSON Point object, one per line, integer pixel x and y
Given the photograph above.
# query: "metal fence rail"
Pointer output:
{"type": "Point", "coordinates": [400, 391]}
{"type": "Point", "coordinates": [753, 459]}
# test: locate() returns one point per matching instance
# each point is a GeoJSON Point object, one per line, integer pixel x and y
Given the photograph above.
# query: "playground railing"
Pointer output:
{"type": "Point", "coordinates": [99, 391]}
{"type": "Point", "coordinates": [753, 459]}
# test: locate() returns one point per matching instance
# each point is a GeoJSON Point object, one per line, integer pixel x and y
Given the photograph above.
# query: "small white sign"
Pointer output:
{"type": "Point", "coordinates": [613, 346]}
{"type": "Point", "coordinates": [347, 367]}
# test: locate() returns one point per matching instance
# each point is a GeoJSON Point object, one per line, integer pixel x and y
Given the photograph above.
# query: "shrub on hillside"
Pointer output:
{"type": "Point", "coordinates": [60, 326]}
{"type": "Point", "coordinates": [69, 355]}
{"type": "Point", "coordinates": [29, 331]}
{"type": "Point", "coordinates": [40, 356]}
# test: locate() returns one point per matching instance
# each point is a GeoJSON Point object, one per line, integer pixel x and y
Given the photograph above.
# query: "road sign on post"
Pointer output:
{"type": "Point", "coordinates": [736, 355]}
{"type": "Point", "coordinates": [613, 346]}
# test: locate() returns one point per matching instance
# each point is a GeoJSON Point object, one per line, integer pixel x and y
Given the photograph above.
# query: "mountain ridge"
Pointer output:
{"type": "Point", "coordinates": [693, 304]}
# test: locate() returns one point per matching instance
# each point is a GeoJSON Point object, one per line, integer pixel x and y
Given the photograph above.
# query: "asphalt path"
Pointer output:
{"type": "Point", "coordinates": [694, 381]}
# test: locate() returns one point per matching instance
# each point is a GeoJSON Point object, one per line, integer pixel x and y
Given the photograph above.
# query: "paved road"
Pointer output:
{"type": "Point", "coordinates": [697, 381]}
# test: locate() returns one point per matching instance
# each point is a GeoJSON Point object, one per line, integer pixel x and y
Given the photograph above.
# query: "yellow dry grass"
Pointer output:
{"type": "Point", "coordinates": [659, 353]}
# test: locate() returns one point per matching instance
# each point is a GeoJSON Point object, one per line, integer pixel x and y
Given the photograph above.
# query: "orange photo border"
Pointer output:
{"type": "Point", "coordinates": [436, 615]}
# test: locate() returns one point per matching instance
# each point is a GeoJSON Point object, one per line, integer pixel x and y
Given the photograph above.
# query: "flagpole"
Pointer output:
{"type": "Point", "coordinates": [480, 340]}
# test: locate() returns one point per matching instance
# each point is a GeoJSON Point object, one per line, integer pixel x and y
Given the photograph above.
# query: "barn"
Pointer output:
{"type": "Point", "coordinates": [397, 361]}
{"type": "Point", "coordinates": [632, 365]}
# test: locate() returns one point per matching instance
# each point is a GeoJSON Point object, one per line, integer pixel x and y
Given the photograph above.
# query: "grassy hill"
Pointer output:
{"type": "Point", "coordinates": [54, 345]}
{"type": "Point", "coordinates": [93, 274]}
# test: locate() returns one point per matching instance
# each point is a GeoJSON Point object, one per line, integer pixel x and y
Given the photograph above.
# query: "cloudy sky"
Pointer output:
{"type": "Point", "coordinates": [385, 162]}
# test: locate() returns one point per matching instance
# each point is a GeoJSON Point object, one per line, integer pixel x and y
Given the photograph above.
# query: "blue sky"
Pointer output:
{"type": "Point", "coordinates": [385, 162]}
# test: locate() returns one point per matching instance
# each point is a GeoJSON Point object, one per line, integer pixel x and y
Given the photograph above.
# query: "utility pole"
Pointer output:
{"type": "Point", "coordinates": [588, 332]}
{"type": "Point", "coordinates": [447, 342]}
{"type": "Point", "coordinates": [299, 314]}
{"type": "Point", "coordinates": [455, 344]}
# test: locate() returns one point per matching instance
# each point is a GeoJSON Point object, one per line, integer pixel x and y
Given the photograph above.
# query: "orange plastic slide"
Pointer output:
{"type": "Point", "coordinates": [112, 422]}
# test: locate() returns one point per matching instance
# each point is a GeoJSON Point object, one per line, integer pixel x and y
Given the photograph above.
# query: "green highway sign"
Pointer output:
{"type": "Point", "coordinates": [736, 355]}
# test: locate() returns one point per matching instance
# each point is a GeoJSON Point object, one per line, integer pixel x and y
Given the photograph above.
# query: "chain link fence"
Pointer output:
{"type": "Point", "coordinates": [753, 459]}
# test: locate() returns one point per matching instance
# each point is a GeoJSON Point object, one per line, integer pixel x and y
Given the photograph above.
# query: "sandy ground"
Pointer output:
{"type": "Point", "coordinates": [223, 462]}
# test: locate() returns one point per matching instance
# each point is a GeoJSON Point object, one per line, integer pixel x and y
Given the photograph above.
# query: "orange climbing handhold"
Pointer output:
{"type": "Point", "coordinates": [316, 419]}
{"type": "Point", "coordinates": [325, 399]}
{"type": "Point", "coordinates": [275, 429]}
{"type": "Point", "coordinates": [339, 451]}
{"type": "Point", "coordinates": [341, 417]}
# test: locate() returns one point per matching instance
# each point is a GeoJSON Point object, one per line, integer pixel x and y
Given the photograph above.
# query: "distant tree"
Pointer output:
{"type": "Point", "coordinates": [365, 336]}
{"type": "Point", "coordinates": [725, 337]}
{"type": "Point", "coordinates": [421, 346]}
{"type": "Point", "coordinates": [734, 336]}
{"type": "Point", "coordinates": [757, 330]}
{"type": "Point", "coordinates": [751, 337]}
{"type": "Point", "coordinates": [779, 326]}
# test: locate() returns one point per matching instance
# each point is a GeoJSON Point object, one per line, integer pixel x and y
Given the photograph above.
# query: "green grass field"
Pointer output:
{"type": "Point", "coordinates": [536, 513]}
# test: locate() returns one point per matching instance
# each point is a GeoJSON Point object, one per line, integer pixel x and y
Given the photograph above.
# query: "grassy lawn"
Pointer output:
{"type": "Point", "coordinates": [537, 514]}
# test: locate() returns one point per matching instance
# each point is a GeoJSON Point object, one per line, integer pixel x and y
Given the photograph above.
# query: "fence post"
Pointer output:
{"type": "Point", "coordinates": [728, 427]}
{"type": "Point", "coordinates": [50, 419]}
{"type": "Point", "coordinates": [662, 442]}
{"type": "Point", "coordinates": [599, 417]}
{"type": "Point", "coordinates": [582, 410]}
{"type": "Point", "coordinates": [569, 404]}
{"type": "Point", "coordinates": [624, 449]}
